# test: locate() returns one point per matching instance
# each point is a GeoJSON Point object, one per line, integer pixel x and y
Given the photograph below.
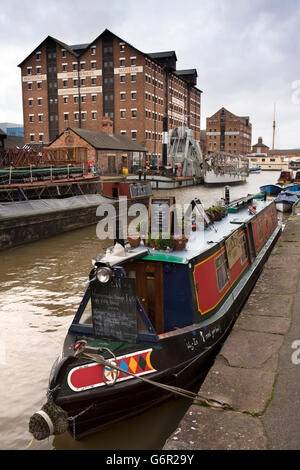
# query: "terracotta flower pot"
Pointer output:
{"type": "Point", "coordinates": [134, 241]}
{"type": "Point", "coordinates": [180, 243]}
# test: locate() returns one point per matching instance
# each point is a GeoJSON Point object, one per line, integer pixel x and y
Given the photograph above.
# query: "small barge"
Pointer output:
{"type": "Point", "coordinates": [152, 319]}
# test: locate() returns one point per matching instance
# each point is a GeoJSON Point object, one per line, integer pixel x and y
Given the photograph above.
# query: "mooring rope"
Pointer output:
{"type": "Point", "coordinates": [53, 420]}
{"type": "Point", "coordinates": [196, 397]}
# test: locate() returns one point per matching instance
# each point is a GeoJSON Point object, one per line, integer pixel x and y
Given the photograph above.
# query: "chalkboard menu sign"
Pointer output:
{"type": "Point", "coordinates": [161, 218]}
{"type": "Point", "coordinates": [114, 310]}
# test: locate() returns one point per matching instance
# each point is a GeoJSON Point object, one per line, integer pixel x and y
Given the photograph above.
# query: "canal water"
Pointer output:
{"type": "Point", "coordinates": [41, 285]}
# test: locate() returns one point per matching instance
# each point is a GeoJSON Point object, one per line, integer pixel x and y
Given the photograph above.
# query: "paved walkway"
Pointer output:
{"type": "Point", "coordinates": [257, 371]}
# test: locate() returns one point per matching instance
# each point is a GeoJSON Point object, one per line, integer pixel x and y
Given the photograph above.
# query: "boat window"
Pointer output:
{"type": "Point", "coordinates": [86, 317]}
{"type": "Point", "coordinates": [260, 230]}
{"type": "Point", "coordinates": [222, 271]}
{"type": "Point", "coordinates": [244, 255]}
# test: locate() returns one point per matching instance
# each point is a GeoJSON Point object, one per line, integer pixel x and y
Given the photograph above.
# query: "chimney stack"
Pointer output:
{"type": "Point", "coordinates": [107, 125]}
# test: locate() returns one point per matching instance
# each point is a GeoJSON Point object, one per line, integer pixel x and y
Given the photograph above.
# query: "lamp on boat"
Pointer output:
{"type": "Point", "coordinates": [104, 274]}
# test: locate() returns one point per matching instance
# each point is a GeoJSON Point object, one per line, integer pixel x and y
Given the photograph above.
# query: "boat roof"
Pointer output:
{"type": "Point", "coordinates": [203, 240]}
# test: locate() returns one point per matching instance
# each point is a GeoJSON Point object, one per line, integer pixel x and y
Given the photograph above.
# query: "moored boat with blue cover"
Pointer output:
{"type": "Point", "coordinates": [271, 189]}
{"type": "Point", "coordinates": [285, 201]}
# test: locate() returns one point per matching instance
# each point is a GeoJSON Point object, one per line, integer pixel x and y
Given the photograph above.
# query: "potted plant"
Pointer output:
{"type": "Point", "coordinates": [164, 242]}
{"type": "Point", "coordinates": [134, 240]}
{"type": "Point", "coordinates": [180, 241]}
{"type": "Point", "coordinates": [142, 228]}
{"type": "Point", "coordinates": [210, 213]}
{"type": "Point", "coordinates": [161, 241]}
{"type": "Point", "coordinates": [217, 212]}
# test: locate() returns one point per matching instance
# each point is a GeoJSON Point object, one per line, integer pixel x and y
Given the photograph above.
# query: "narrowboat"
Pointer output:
{"type": "Point", "coordinates": [271, 189]}
{"type": "Point", "coordinates": [285, 201]}
{"type": "Point", "coordinates": [151, 320]}
{"type": "Point", "coordinates": [285, 177]}
{"type": "Point", "coordinates": [291, 187]}
{"type": "Point", "coordinates": [256, 169]}
{"type": "Point", "coordinates": [132, 190]}
{"type": "Point", "coordinates": [297, 177]}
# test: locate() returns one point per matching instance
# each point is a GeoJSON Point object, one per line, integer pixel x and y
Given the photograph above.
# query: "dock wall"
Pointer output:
{"type": "Point", "coordinates": [256, 375]}
{"type": "Point", "coordinates": [29, 228]}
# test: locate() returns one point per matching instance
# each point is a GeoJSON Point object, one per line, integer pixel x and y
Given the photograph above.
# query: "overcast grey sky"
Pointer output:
{"type": "Point", "coordinates": [246, 52]}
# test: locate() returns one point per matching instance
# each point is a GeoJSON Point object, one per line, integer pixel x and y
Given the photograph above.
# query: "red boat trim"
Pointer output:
{"type": "Point", "coordinates": [91, 375]}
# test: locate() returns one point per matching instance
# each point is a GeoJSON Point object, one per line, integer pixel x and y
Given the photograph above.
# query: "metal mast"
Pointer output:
{"type": "Point", "coordinates": [274, 126]}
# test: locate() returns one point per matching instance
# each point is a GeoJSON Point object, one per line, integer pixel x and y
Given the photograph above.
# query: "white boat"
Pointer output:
{"type": "Point", "coordinates": [224, 168]}
{"type": "Point", "coordinates": [268, 162]}
{"type": "Point", "coordinates": [284, 202]}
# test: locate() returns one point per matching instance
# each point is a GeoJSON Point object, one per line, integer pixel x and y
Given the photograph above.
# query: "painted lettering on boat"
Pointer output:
{"type": "Point", "coordinates": [201, 336]}
{"type": "Point", "coordinates": [91, 375]}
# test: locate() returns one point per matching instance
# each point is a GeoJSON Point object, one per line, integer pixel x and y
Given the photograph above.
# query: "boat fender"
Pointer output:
{"type": "Point", "coordinates": [50, 420]}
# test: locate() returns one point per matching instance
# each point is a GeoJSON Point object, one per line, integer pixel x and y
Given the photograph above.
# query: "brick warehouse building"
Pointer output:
{"type": "Point", "coordinates": [75, 86]}
{"type": "Point", "coordinates": [227, 132]}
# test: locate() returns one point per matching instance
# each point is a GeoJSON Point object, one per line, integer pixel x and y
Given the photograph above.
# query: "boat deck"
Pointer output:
{"type": "Point", "coordinates": [201, 240]}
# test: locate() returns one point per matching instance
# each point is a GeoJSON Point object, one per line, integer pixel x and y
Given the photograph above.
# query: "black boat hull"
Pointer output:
{"type": "Point", "coordinates": [182, 360]}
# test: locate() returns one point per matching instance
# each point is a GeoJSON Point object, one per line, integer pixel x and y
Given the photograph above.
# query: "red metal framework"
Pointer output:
{"type": "Point", "coordinates": [40, 157]}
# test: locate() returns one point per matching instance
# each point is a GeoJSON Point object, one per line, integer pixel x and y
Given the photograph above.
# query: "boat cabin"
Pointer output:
{"type": "Point", "coordinates": [297, 177]}
{"type": "Point", "coordinates": [171, 290]}
{"type": "Point", "coordinates": [285, 177]}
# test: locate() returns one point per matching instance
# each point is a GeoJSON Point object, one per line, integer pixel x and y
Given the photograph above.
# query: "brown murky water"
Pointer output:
{"type": "Point", "coordinates": [39, 294]}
